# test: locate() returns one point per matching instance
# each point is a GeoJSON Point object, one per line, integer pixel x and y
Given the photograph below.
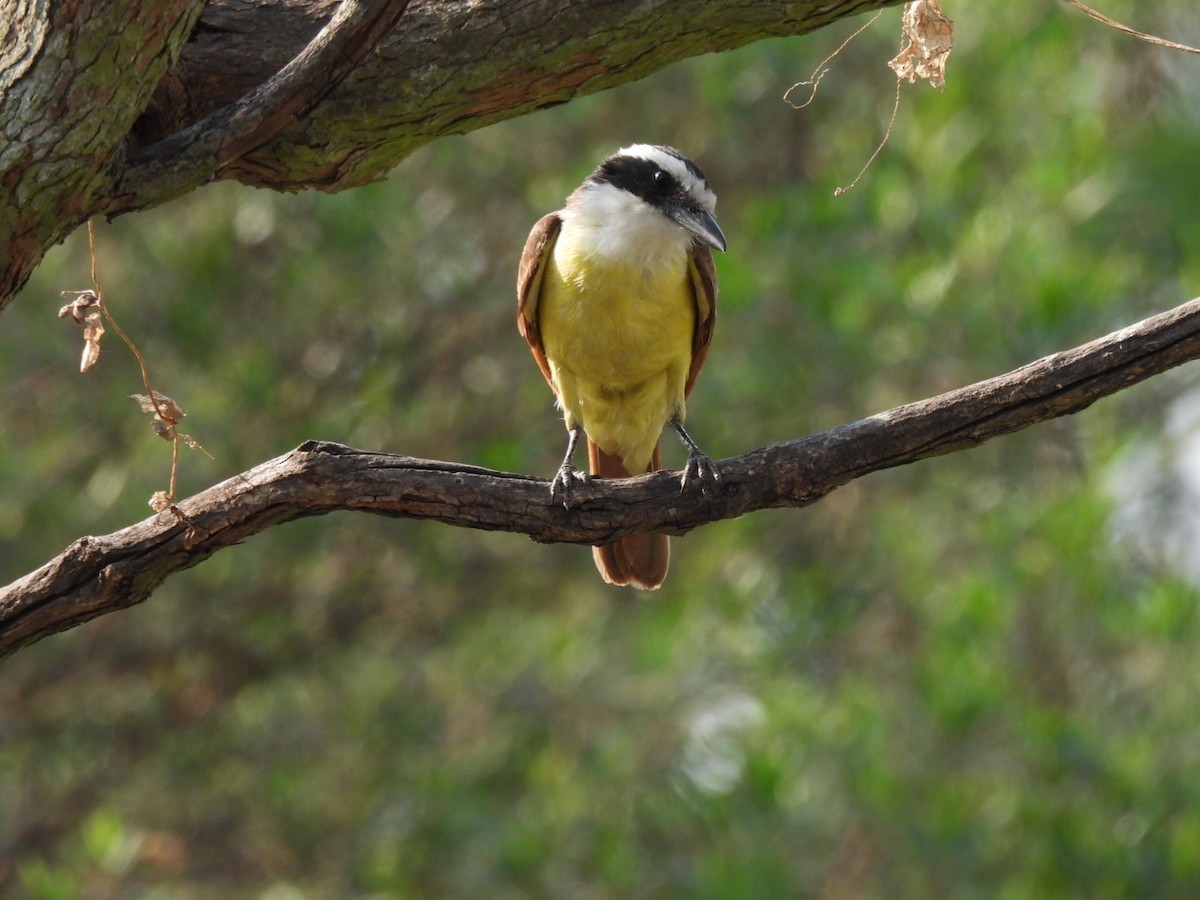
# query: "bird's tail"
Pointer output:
{"type": "Point", "coordinates": [641, 560]}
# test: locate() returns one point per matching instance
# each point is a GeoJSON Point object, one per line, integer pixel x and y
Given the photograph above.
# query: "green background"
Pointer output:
{"type": "Point", "coordinates": [972, 677]}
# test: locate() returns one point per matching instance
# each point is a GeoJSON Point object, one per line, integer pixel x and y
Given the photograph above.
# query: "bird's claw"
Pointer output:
{"type": "Point", "coordinates": [701, 468]}
{"type": "Point", "coordinates": [561, 485]}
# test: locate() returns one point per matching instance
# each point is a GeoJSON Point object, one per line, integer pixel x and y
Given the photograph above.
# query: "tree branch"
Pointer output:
{"type": "Point", "coordinates": [451, 68]}
{"type": "Point", "coordinates": [71, 90]}
{"type": "Point", "coordinates": [98, 575]}
{"type": "Point", "coordinates": [86, 139]}
{"type": "Point", "coordinates": [197, 154]}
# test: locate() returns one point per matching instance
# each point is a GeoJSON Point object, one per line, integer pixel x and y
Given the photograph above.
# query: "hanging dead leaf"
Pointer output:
{"type": "Point", "coordinates": [161, 407]}
{"type": "Point", "coordinates": [930, 36]}
{"type": "Point", "coordinates": [84, 300]}
{"type": "Point", "coordinates": [87, 310]}
{"type": "Point", "coordinates": [164, 430]}
{"type": "Point", "coordinates": [93, 330]}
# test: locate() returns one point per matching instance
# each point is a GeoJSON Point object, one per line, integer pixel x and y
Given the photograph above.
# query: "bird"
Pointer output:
{"type": "Point", "coordinates": [617, 298]}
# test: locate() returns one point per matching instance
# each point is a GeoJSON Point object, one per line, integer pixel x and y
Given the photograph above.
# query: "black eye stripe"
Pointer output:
{"type": "Point", "coordinates": [642, 177]}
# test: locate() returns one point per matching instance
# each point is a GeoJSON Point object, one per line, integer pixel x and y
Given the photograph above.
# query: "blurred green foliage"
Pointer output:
{"type": "Point", "coordinates": [972, 677]}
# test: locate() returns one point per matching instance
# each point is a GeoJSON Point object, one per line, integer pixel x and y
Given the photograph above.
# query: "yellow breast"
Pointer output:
{"type": "Point", "coordinates": [618, 337]}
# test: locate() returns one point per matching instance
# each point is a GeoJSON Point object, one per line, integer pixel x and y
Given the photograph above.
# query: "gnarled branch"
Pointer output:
{"type": "Point", "coordinates": [197, 154]}
{"type": "Point", "coordinates": [98, 575]}
{"type": "Point", "coordinates": [106, 109]}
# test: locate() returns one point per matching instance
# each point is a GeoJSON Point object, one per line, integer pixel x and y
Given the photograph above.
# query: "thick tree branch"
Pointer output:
{"type": "Point", "coordinates": [75, 76]}
{"type": "Point", "coordinates": [450, 68]}
{"type": "Point", "coordinates": [197, 154]}
{"type": "Point", "coordinates": [97, 575]}
{"type": "Point", "coordinates": [97, 116]}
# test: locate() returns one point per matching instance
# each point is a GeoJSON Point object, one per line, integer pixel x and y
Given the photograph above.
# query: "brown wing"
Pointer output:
{"type": "Point", "coordinates": [529, 285]}
{"type": "Point", "coordinates": [704, 291]}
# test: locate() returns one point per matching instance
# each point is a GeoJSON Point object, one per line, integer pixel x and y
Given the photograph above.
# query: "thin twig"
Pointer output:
{"type": "Point", "coordinates": [174, 464]}
{"type": "Point", "coordinates": [108, 316]}
{"type": "Point", "coordinates": [820, 71]}
{"type": "Point", "coordinates": [1140, 35]}
{"type": "Point", "coordinates": [164, 415]}
{"type": "Point", "coordinates": [839, 191]}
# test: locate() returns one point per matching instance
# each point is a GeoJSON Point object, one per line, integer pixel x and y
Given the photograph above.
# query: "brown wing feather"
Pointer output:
{"type": "Point", "coordinates": [529, 285]}
{"type": "Point", "coordinates": [704, 292]}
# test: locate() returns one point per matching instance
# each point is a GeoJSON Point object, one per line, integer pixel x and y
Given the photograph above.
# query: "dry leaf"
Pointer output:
{"type": "Point", "coordinates": [93, 330]}
{"type": "Point", "coordinates": [164, 430]}
{"type": "Point", "coordinates": [930, 36]}
{"type": "Point", "coordinates": [162, 407]}
{"type": "Point", "coordinates": [75, 309]}
{"type": "Point", "coordinates": [86, 310]}
{"type": "Point", "coordinates": [160, 500]}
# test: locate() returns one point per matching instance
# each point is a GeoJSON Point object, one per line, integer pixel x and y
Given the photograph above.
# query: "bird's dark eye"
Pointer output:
{"type": "Point", "coordinates": [662, 180]}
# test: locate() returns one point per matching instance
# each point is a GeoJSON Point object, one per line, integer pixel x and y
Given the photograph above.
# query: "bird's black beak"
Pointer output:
{"type": "Point", "coordinates": [700, 223]}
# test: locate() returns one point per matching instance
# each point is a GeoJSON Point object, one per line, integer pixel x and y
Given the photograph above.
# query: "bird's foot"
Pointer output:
{"type": "Point", "coordinates": [701, 468]}
{"type": "Point", "coordinates": [567, 475]}
{"type": "Point", "coordinates": [561, 485]}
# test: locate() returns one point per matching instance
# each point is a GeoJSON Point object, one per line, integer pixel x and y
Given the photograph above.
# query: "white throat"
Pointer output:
{"type": "Point", "coordinates": [613, 224]}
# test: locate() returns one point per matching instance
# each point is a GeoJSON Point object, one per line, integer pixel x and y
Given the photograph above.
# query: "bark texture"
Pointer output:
{"type": "Point", "coordinates": [111, 107]}
{"type": "Point", "coordinates": [74, 78]}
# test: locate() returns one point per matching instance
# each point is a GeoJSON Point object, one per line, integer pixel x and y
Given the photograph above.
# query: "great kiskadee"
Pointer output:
{"type": "Point", "coordinates": [617, 298]}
